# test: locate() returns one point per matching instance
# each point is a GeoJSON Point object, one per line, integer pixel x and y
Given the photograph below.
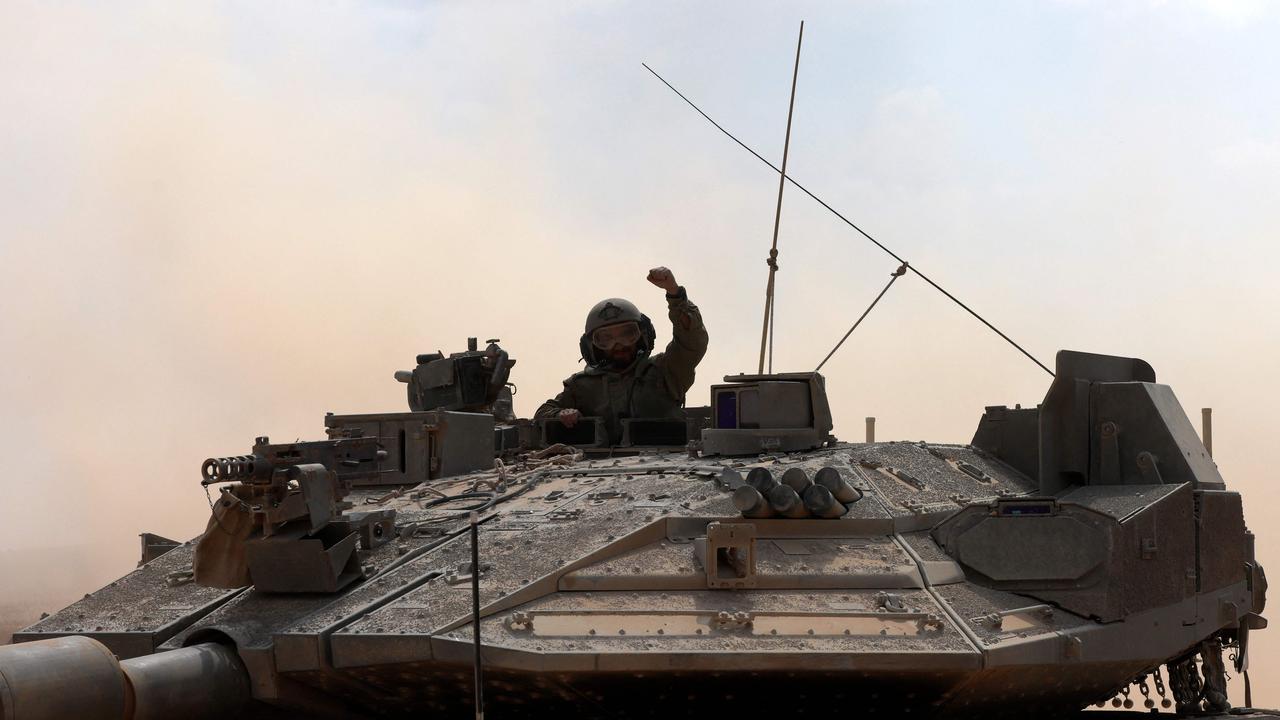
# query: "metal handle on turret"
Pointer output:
{"type": "Point", "coordinates": [501, 371]}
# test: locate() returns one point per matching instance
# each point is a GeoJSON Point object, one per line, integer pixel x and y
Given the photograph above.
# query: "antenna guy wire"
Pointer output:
{"type": "Point", "coordinates": [902, 270]}
{"type": "Point", "coordinates": [850, 223]}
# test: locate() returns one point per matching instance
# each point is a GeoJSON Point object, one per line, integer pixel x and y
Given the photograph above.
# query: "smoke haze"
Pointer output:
{"type": "Point", "coordinates": [221, 221]}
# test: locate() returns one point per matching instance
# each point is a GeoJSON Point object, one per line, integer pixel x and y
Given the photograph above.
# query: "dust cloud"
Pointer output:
{"type": "Point", "coordinates": [221, 223]}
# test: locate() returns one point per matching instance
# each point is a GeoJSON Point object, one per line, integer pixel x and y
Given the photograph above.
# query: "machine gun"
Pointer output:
{"type": "Point", "coordinates": [281, 522]}
{"type": "Point", "coordinates": [272, 465]}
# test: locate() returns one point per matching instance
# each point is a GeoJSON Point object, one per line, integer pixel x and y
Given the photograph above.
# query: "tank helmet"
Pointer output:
{"type": "Point", "coordinates": [615, 311]}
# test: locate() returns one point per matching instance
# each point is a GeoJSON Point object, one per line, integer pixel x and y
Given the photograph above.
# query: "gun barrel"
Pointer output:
{"type": "Point", "coordinates": [78, 677]}
{"type": "Point", "coordinates": [233, 468]}
{"type": "Point", "coordinates": [350, 457]}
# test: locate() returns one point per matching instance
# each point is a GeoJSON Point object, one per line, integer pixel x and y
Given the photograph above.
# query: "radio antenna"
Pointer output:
{"type": "Point", "coordinates": [787, 178]}
{"type": "Point", "coordinates": [766, 332]}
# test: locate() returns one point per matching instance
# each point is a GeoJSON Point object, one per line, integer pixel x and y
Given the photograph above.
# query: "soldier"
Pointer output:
{"type": "Point", "coordinates": [621, 379]}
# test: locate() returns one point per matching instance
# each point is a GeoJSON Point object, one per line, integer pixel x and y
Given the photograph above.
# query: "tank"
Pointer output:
{"type": "Point", "coordinates": [1082, 551]}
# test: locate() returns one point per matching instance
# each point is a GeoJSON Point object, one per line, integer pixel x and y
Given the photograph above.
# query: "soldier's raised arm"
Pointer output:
{"type": "Point", "coordinates": [688, 334]}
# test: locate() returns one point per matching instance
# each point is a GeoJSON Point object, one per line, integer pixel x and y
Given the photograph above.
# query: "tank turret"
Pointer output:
{"type": "Point", "coordinates": [1071, 554]}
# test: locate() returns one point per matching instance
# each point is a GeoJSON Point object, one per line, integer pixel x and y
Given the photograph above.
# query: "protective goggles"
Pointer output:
{"type": "Point", "coordinates": [614, 335]}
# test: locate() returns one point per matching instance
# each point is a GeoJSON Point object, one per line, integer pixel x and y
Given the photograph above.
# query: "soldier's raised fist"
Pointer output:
{"type": "Point", "coordinates": [569, 417]}
{"type": "Point", "coordinates": [664, 279]}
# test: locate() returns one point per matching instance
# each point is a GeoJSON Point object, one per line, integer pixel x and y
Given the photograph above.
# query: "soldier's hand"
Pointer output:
{"type": "Point", "coordinates": [664, 279]}
{"type": "Point", "coordinates": [569, 417]}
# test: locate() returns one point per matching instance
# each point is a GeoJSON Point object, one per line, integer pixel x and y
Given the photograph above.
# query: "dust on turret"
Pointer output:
{"type": "Point", "coordinates": [1082, 550]}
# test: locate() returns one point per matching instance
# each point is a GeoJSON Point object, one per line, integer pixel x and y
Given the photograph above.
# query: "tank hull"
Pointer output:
{"type": "Point", "coordinates": [629, 582]}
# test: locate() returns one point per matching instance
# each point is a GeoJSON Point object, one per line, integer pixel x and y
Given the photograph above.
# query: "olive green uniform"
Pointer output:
{"type": "Point", "coordinates": [651, 387]}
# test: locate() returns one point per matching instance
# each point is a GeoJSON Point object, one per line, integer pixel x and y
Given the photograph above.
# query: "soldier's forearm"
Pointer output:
{"type": "Point", "coordinates": [687, 328]}
{"type": "Point", "coordinates": [683, 313]}
{"type": "Point", "coordinates": [548, 409]}
{"type": "Point", "coordinates": [552, 407]}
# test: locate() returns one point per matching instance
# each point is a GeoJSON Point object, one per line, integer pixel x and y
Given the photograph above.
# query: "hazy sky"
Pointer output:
{"type": "Point", "coordinates": [220, 221]}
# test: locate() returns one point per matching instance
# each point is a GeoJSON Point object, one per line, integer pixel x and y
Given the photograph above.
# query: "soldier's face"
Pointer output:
{"type": "Point", "coordinates": [618, 342]}
{"type": "Point", "coordinates": [611, 336]}
{"type": "Point", "coordinates": [622, 355]}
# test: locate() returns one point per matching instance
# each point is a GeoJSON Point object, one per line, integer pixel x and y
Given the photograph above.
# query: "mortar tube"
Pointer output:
{"type": "Point", "coordinates": [761, 479]}
{"type": "Point", "coordinates": [751, 503]}
{"type": "Point", "coordinates": [787, 502]}
{"type": "Point", "coordinates": [829, 478]}
{"type": "Point", "coordinates": [819, 501]}
{"type": "Point", "coordinates": [797, 479]}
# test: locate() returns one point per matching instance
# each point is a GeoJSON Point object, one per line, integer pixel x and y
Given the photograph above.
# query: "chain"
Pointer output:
{"type": "Point", "coordinates": [226, 494]}
{"type": "Point", "coordinates": [1165, 702]}
{"type": "Point", "coordinates": [1147, 702]}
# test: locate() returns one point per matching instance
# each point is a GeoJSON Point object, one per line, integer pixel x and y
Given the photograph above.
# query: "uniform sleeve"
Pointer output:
{"type": "Point", "coordinates": [560, 402]}
{"type": "Point", "coordinates": [688, 343]}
